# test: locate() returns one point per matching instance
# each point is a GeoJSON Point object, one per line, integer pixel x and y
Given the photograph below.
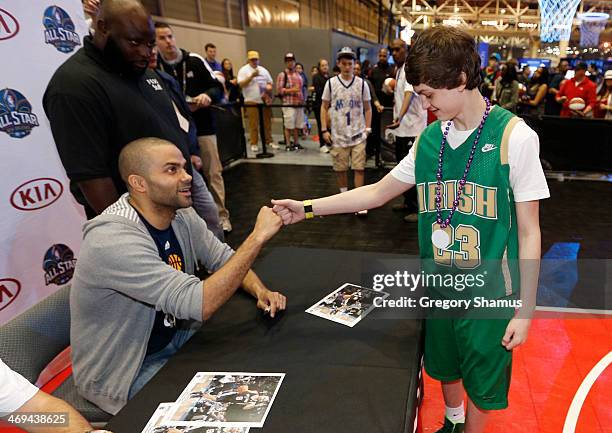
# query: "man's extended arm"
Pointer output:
{"type": "Point", "coordinates": [222, 284]}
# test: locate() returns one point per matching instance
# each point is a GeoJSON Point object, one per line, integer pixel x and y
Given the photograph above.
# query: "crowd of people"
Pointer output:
{"type": "Point", "coordinates": [133, 119]}
{"type": "Point", "coordinates": [546, 91]}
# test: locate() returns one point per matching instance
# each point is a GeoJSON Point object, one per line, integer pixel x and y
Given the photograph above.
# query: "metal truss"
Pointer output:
{"type": "Point", "coordinates": [515, 22]}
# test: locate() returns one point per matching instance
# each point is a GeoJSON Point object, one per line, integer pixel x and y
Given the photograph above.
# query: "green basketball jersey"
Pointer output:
{"type": "Point", "coordinates": [483, 230]}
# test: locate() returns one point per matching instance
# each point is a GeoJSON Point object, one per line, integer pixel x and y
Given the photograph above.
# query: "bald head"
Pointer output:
{"type": "Point", "coordinates": [137, 156]}
{"type": "Point", "coordinates": [125, 34]}
{"type": "Point", "coordinates": [156, 174]}
{"type": "Point", "coordinates": [113, 10]}
{"type": "Point", "coordinates": [399, 50]}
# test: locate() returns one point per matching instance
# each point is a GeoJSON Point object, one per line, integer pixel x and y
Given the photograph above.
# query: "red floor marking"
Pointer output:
{"type": "Point", "coordinates": [547, 372]}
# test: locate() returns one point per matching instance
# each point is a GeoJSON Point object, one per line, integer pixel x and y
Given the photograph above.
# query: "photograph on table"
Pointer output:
{"type": "Point", "coordinates": [226, 400]}
{"type": "Point", "coordinates": [347, 305]}
{"type": "Point", "coordinates": [157, 424]}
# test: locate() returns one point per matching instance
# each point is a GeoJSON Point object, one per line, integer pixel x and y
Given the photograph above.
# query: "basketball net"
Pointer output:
{"type": "Point", "coordinates": [556, 17]}
{"type": "Point", "coordinates": [591, 28]}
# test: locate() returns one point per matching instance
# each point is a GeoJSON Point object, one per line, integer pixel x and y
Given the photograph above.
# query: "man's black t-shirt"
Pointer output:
{"type": "Point", "coordinates": [95, 111]}
{"type": "Point", "coordinates": [170, 252]}
{"type": "Point", "coordinates": [378, 76]}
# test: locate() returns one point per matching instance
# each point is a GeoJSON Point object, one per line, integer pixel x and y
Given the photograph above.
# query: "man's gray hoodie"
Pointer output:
{"type": "Point", "coordinates": [119, 283]}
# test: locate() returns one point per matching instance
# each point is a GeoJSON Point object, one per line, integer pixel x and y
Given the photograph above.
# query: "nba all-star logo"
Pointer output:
{"type": "Point", "coordinates": [16, 117]}
{"type": "Point", "coordinates": [59, 264]}
{"type": "Point", "coordinates": [60, 30]}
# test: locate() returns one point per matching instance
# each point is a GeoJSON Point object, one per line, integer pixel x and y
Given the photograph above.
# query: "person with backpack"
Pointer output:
{"type": "Point", "coordinates": [289, 89]}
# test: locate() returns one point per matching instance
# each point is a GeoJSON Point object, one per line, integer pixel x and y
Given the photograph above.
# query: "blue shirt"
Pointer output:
{"type": "Point", "coordinates": [170, 252]}
{"type": "Point", "coordinates": [215, 66]}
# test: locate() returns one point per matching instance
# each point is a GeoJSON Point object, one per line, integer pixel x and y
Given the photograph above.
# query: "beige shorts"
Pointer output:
{"type": "Point", "coordinates": [293, 118]}
{"type": "Point", "coordinates": [356, 154]}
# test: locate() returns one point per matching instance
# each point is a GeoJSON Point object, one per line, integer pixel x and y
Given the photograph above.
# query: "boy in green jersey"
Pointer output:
{"type": "Point", "coordinates": [479, 182]}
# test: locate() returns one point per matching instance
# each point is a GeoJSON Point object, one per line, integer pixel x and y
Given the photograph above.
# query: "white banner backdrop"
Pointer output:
{"type": "Point", "coordinates": [40, 223]}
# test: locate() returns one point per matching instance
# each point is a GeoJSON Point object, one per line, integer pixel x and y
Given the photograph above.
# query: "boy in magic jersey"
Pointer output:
{"type": "Point", "coordinates": [479, 182]}
{"type": "Point", "coordinates": [346, 99]}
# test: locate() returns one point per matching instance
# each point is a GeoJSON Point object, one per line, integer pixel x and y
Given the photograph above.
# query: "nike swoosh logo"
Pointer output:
{"type": "Point", "coordinates": [488, 148]}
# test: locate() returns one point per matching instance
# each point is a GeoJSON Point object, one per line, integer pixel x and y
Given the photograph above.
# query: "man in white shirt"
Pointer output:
{"type": "Point", "coordinates": [410, 119]}
{"type": "Point", "coordinates": [18, 396]}
{"type": "Point", "coordinates": [256, 84]}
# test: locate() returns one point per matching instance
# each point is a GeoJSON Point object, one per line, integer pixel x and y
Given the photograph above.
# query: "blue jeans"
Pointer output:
{"type": "Point", "coordinates": [205, 206]}
{"type": "Point", "coordinates": [155, 361]}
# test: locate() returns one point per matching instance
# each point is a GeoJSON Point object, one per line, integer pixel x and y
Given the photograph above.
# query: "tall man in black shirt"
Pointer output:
{"type": "Point", "coordinates": [104, 97]}
{"type": "Point", "coordinates": [380, 72]}
{"type": "Point", "coordinates": [198, 83]}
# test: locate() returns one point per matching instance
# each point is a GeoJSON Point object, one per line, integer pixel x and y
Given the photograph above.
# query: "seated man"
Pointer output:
{"type": "Point", "coordinates": [134, 298]}
{"type": "Point", "coordinates": [18, 397]}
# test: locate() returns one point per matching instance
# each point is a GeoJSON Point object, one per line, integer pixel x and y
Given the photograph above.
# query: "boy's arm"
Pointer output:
{"type": "Point", "coordinates": [325, 136]}
{"type": "Point", "coordinates": [367, 110]}
{"type": "Point", "coordinates": [527, 214]}
{"type": "Point", "coordinates": [365, 197]}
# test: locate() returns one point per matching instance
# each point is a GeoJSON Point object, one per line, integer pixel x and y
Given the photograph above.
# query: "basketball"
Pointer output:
{"type": "Point", "coordinates": [389, 86]}
{"type": "Point", "coordinates": [576, 104]}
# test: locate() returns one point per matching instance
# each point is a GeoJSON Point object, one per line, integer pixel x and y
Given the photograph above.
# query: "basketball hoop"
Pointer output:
{"type": "Point", "coordinates": [556, 17]}
{"type": "Point", "coordinates": [592, 24]}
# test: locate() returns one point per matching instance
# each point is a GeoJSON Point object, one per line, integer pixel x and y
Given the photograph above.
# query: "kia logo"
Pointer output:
{"type": "Point", "coordinates": [36, 194]}
{"type": "Point", "coordinates": [9, 289]}
{"type": "Point", "coordinates": [9, 26]}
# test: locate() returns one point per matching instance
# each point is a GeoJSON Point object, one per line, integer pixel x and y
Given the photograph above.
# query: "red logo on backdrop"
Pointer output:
{"type": "Point", "coordinates": [37, 193]}
{"type": "Point", "coordinates": [9, 26]}
{"type": "Point", "coordinates": [9, 289]}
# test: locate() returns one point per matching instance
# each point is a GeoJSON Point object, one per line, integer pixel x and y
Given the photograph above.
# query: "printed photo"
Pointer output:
{"type": "Point", "coordinates": [347, 305]}
{"type": "Point", "coordinates": [226, 400]}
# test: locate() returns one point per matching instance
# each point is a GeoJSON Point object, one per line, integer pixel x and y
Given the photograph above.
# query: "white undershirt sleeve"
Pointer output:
{"type": "Point", "coordinates": [404, 171]}
{"type": "Point", "coordinates": [15, 390]}
{"type": "Point", "coordinates": [527, 178]}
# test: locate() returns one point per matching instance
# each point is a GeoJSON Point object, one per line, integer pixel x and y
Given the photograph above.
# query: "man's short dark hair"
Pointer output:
{"type": "Point", "coordinates": [162, 25]}
{"type": "Point", "coordinates": [438, 57]}
{"type": "Point", "coordinates": [582, 65]}
{"type": "Point", "coordinates": [209, 45]}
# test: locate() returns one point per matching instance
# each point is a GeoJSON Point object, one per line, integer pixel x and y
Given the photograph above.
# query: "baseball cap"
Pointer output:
{"type": "Point", "coordinates": [608, 75]}
{"type": "Point", "coordinates": [252, 55]}
{"type": "Point", "coordinates": [289, 56]}
{"type": "Point", "coordinates": [346, 52]}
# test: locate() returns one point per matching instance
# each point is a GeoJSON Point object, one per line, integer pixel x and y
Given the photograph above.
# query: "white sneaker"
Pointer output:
{"type": "Point", "coordinates": [254, 148]}
{"type": "Point", "coordinates": [227, 225]}
{"type": "Point", "coordinates": [362, 213]}
{"type": "Point", "coordinates": [274, 146]}
{"type": "Point", "coordinates": [324, 149]}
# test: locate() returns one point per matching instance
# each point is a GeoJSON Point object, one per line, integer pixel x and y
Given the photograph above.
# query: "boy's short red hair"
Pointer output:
{"type": "Point", "coordinates": [438, 57]}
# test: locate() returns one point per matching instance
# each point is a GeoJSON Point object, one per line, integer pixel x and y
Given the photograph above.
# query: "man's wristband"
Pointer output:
{"type": "Point", "coordinates": [308, 213]}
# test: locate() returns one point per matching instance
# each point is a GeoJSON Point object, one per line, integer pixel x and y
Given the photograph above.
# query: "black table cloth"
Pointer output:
{"type": "Point", "coordinates": [364, 379]}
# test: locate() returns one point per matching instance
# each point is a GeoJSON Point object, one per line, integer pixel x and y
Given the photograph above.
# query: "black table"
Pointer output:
{"type": "Point", "coordinates": [364, 379]}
